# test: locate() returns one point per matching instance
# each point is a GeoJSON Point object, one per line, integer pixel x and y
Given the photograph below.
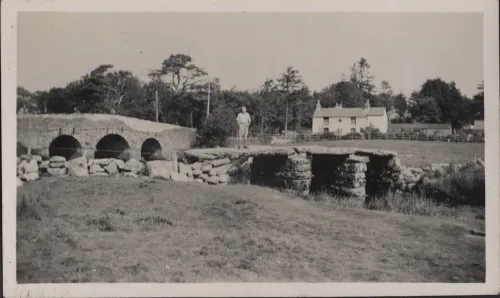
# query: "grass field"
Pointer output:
{"type": "Point", "coordinates": [412, 153]}
{"type": "Point", "coordinates": [132, 230]}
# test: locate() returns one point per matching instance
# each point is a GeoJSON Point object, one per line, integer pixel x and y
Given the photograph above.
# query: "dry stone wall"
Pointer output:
{"type": "Point", "coordinates": [297, 173]}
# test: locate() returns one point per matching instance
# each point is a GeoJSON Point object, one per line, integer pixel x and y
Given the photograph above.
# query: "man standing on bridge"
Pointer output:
{"type": "Point", "coordinates": [243, 120]}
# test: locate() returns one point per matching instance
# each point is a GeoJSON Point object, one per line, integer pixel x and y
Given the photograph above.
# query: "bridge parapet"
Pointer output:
{"type": "Point", "coordinates": [93, 132]}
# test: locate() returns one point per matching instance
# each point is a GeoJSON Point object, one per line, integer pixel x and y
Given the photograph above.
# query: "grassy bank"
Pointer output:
{"type": "Point", "coordinates": [132, 230]}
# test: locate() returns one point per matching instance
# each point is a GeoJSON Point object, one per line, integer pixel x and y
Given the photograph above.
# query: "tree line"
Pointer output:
{"type": "Point", "coordinates": [282, 103]}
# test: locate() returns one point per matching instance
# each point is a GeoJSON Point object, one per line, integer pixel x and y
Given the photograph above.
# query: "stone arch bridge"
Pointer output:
{"type": "Point", "coordinates": [100, 136]}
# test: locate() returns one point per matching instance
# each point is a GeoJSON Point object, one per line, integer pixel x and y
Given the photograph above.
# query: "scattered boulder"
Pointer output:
{"type": "Point", "coordinates": [224, 169]}
{"type": "Point", "coordinates": [212, 180]}
{"type": "Point", "coordinates": [18, 160]}
{"type": "Point", "coordinates": [199, 180]}
{"type": "Point", "coordinates": [224, 178]}
{"type": "Point", "coordinates": [134, 166]}
{"type": "Point", "coordinates": [102, 161]}
{"type": "Point", "coordinates": [26, 167]}
{"type": "Point", "coordinates": [19, 182]}
{"type": "Point", "coordinates": [78, 171]}
{"type": "Point", "coordinates": [44, 165]}
{"type": "Point", "coordinates": [81, 161]}
{"type": "Point", "coordinates": [160, 168]}
{"type": "Point", "coordinates": [204, 176]}
{"type": "Point", "coordinates": [57, 171]}
{"type": "Point", "coordinates": [185, 170]}
{"type": "Point", "coordinates": [197, 173]}
{"type": "Point", "coordinates": [178, 177]}
{"type": "Point", "coordinates": [57, 159]}
{"type": "Point", "coordinates": [96, 169]}
{"type": "Point", "coordinates": [30, 176]}
{"type": "Point", "coordinates": [25, 157]}
{"type": "Point", "coordinates": [196, 166]}
{"type": "Point", "coordinates": [206, 168]}
{"type": "Point", "coordinates": [37, 158]}
{"type": "Point", "coordinates": [212, 173]}
{"type": "Point", "coordinates": [78, 167]}
{"type": "Point", "coordinates": [111, 168]}
{"type": "Point", "coordinates": [119, 163]}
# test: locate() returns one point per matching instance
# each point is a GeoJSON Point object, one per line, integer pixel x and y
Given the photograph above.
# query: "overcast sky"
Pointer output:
{"type": "Point", "coordinates": [243, 49]}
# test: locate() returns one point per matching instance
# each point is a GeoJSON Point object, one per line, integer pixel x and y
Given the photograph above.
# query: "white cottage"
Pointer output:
{"type": "Point", "coordinates": [341, 121]}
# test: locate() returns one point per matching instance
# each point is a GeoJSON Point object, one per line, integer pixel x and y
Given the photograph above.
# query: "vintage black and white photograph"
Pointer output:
{"type": "Point", "coordinates": [250, 147]}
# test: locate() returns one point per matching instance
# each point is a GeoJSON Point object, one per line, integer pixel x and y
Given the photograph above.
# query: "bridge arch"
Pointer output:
{"type": "Point", "coordinates": [151, 149]}
{"type": "Point", "coordinates": [67, 146]}
{"type": "Point", "coordinates": [113, 146]}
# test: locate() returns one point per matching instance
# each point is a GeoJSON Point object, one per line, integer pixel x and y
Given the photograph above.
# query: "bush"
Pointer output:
{"type": "Point", "coordinates": [464, 186]}
{"type": "Point", "coordinates": [370, 131]}
{"type": "Point", "coordinates": [328, 135]}
{"type": "Point", "coordinates": [217, 129]}
{"type": "Point", "coordinates": [353, 135]}
{"type": "Point", "coordinates": [125, 155]}
{"type": "Point", "coordinates": [21, 149]}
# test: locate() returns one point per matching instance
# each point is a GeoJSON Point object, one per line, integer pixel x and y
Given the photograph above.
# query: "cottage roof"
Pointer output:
{"type": "Point", "coordinates": [419, 126]}
{"type": "Point", "coordinates": [348, 112]}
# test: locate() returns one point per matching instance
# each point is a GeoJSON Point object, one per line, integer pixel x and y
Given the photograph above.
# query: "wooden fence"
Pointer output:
{"type": "Point", "coordinates": [299, 138]}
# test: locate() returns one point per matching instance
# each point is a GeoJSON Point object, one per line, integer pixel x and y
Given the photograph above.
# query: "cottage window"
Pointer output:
{"type": "Point", "coordinates": [353, 120]}
{"type": "Point", "coordinates": [353, 129]}
{"type": "Point", "coordinates": [326, 121]}
{"type": "Point", "coordinates": [325, 129]}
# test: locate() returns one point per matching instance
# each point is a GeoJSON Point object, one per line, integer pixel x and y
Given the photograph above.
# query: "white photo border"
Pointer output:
{"type": "Point", "coordinates": [489, 8]}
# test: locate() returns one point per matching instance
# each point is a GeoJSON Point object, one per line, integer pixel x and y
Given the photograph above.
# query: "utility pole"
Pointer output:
{"type": "Point", "coordinates": [156, 98]}
{"type": "Point", "coordinates": [208, 92]}
{"type": "Point", "coordinates": [286, 114]}
{"type": "Point", "coordinates": [208, 100]}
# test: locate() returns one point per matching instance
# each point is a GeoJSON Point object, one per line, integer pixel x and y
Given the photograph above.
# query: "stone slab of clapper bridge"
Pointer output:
{"type": "Point", "coordinates": [350, 172]}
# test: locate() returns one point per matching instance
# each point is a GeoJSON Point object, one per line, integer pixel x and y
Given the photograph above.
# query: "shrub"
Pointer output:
{"type": "Point", "coordinates": [21, 149]}
{"type": "Point", "coordinates": [217, 129]}
{"type": "Point", "coordinates": [352, 135]}
{"type": "Point", "coordinates": [126, 155]}
{"type": "Point", "coordinates": [328, 135]}
{"type": "Point", "coordinates": [157, 156]}
{"type": "Point", "coordinates": [455, 186]}
{"type": "Point", "coordinates": [370, 131]}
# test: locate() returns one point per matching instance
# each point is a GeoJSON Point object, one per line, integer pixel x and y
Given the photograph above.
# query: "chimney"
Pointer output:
{"type": "Point", "coordinates": [318, 106]}
{"type": "Point", "coordinates": [338, 106]}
